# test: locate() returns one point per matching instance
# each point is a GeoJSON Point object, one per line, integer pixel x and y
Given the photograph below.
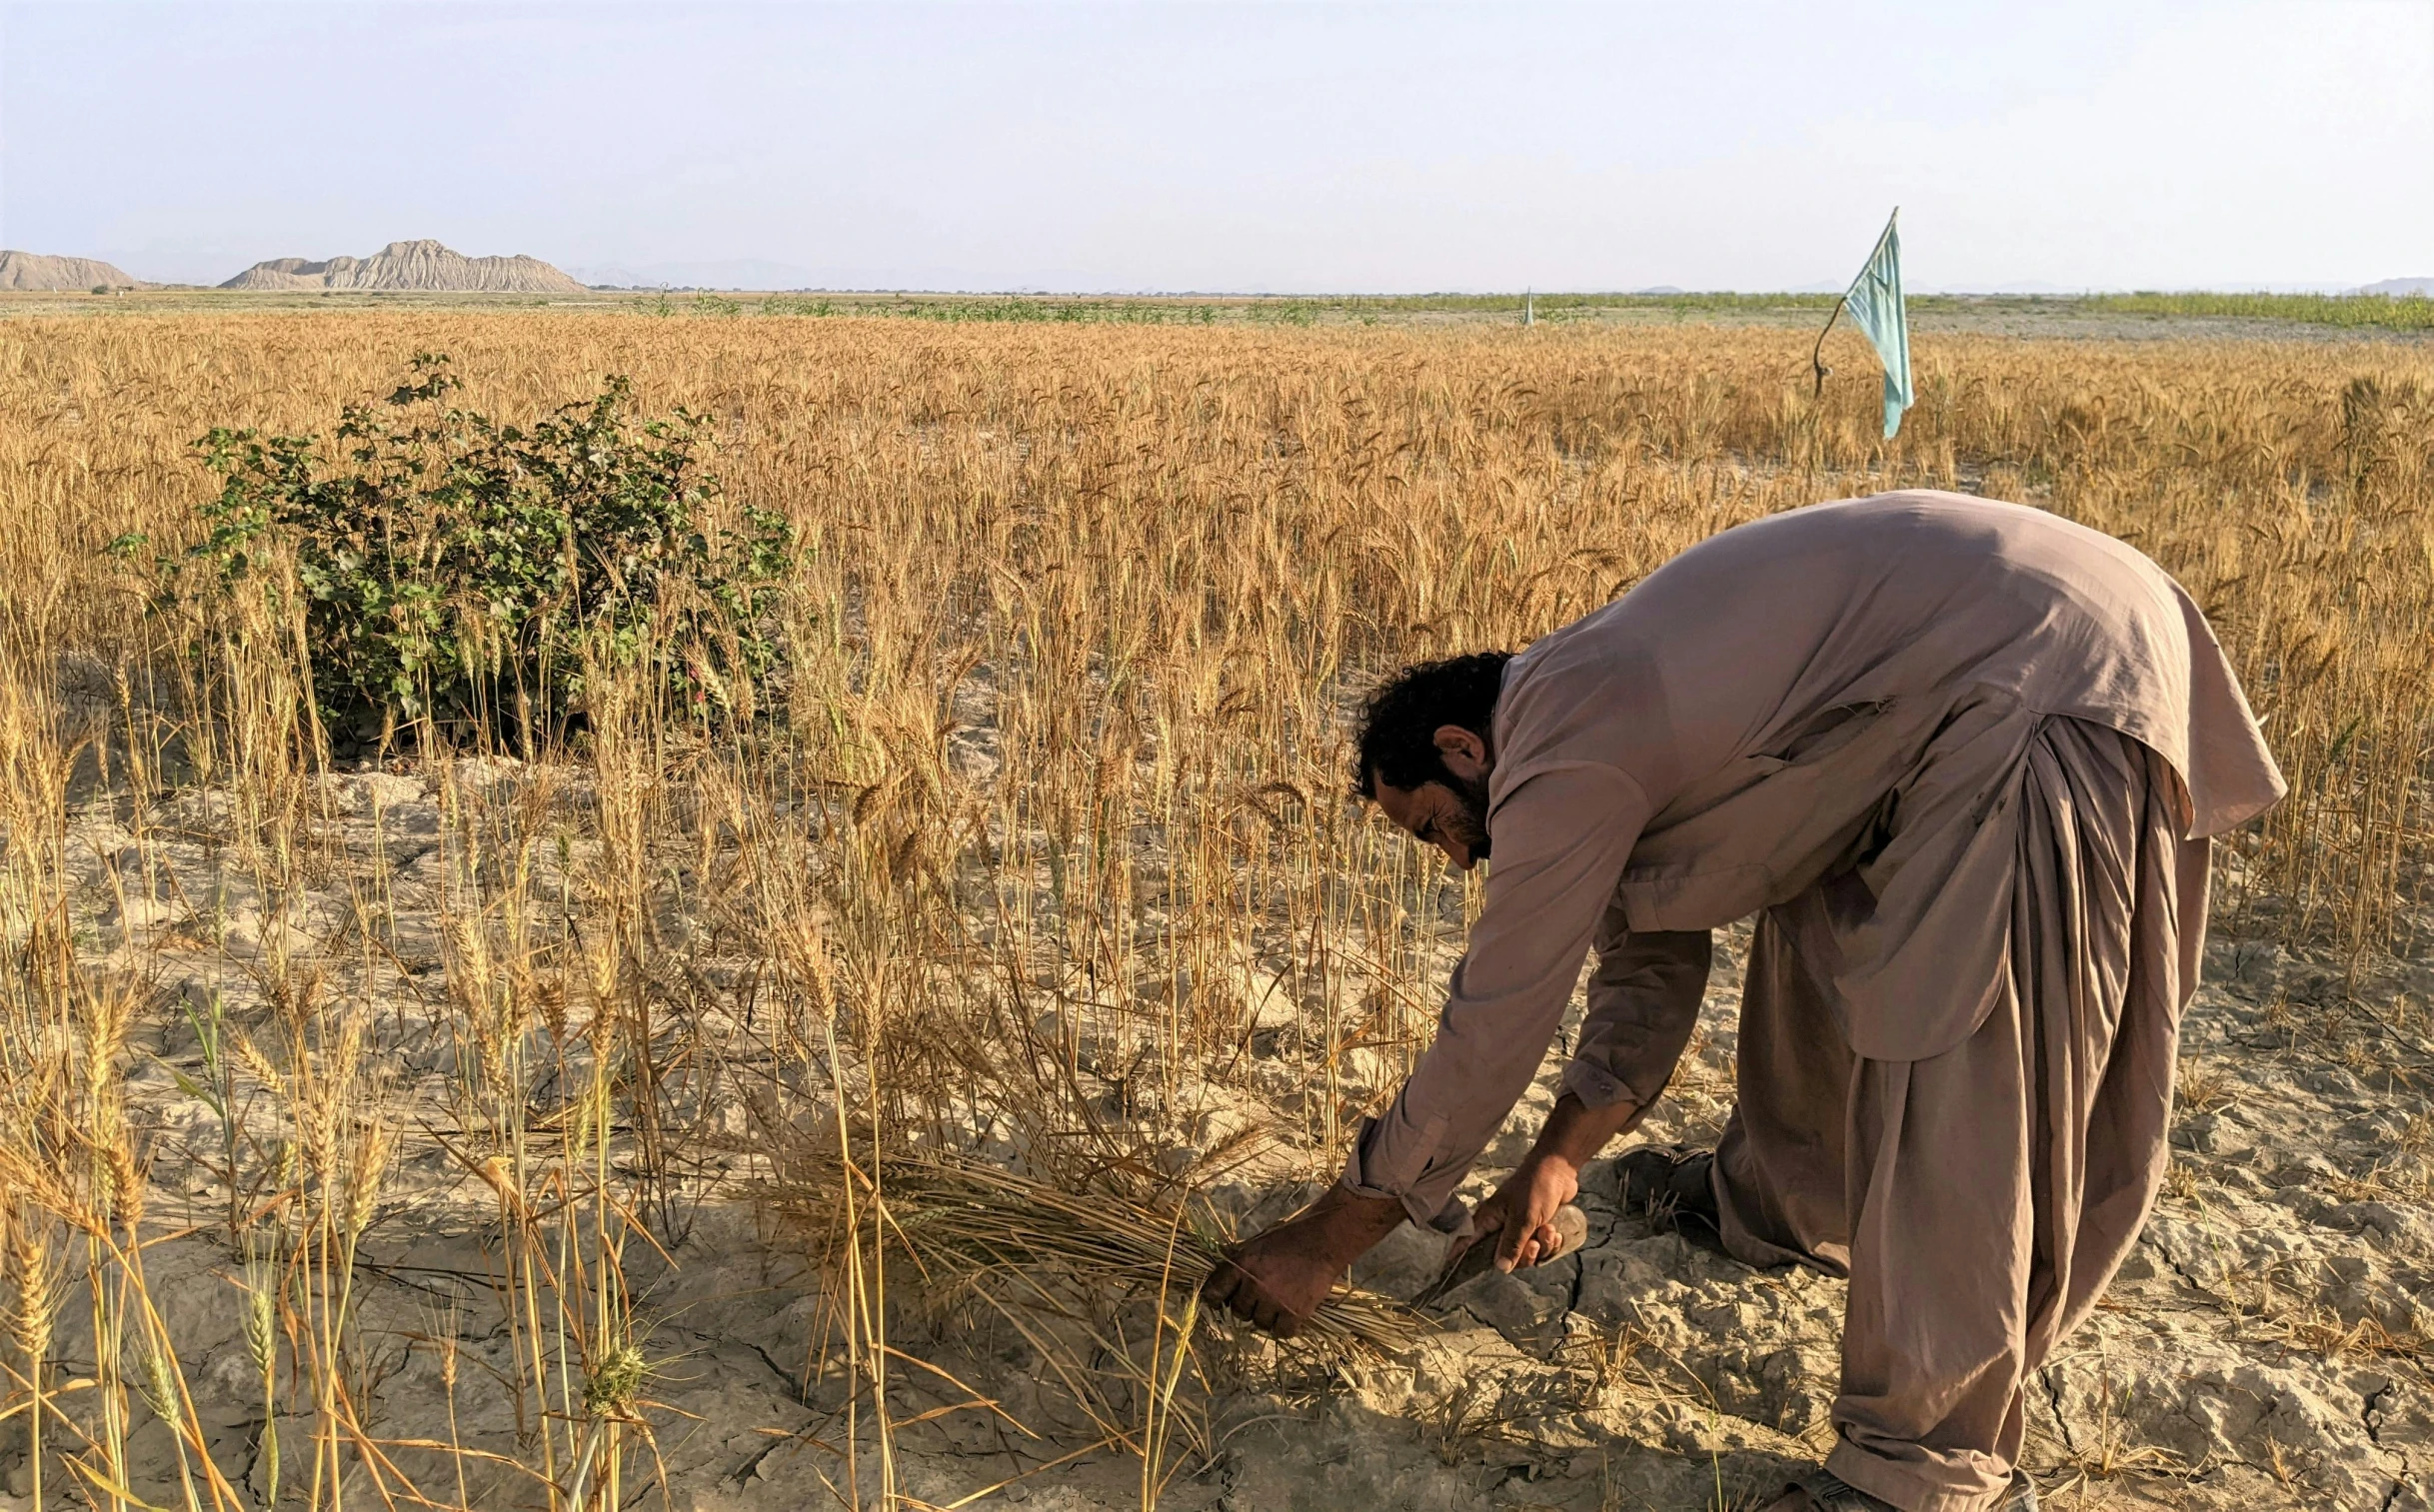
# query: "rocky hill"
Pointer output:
{"type": "Point", "coordinates": [33, 269]}
{"type": "Point", "coordinates": [425, 266]}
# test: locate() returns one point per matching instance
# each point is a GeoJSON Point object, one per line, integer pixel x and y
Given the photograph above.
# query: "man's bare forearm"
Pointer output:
{"type": "Point", "coordinates": [1576, 1133]}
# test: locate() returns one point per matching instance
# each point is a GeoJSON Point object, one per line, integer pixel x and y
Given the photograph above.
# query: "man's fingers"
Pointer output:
{"type": "Point", "coordinates": [1512, 1247]}
{"type": "Point", "coordinates": [1272, 1317]}
{"type": "Point", "coordinates": [1225, 1282]}
{"type": "Point", "coordinates": [1238, 1292]}
{"type": "Point", "coordinates": [1235, 1289]}
{"type": "Point", "coordinates": [1283, 1321]}
{"type": "Point", "coordinates": [1528, 1248]}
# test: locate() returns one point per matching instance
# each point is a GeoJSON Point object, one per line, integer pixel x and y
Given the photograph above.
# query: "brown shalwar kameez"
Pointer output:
{"type": "Point", "coordinates": [1962, 759]}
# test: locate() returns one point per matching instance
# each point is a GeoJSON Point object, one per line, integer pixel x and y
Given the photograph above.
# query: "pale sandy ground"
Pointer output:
{"type": "Point", "coordinates": [1643, 1373]}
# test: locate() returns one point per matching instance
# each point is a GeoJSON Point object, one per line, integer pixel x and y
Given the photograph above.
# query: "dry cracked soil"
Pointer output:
{"type": "Point", "coordinates": [2266, 1345]}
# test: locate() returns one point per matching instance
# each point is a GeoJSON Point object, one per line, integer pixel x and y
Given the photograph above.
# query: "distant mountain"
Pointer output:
{"type": "Point", "coordinates": [33, 269]}
{"type": "Point", "coordinates": [423, 266]}
{"type": "Point", "coordinates": [2399, 286]}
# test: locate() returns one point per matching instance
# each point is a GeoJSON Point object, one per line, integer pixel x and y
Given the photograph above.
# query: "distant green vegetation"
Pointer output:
{"type": "Point", "coordinates": [1120, 312]}
{"type": "Point", "coordinates": [2408, 313]}
{"type": "Point", "coordinates": [1281, 310]}
{"type": "Point", "coordinates": [1016, 308]}
{"type": "Point", "coordinates": [1557, 304]}
{"type": "Point", "coordinates": [2051, 313]}
{"type": "Point", "coordinates": [2374, 311]}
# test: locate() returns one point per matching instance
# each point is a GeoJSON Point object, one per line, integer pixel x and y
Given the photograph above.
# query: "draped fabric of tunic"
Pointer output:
{"type": "Point", "coordinates": [1961, 758]}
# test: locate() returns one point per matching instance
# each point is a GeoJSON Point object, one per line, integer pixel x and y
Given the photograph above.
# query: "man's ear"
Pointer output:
{"type": "Point", "coordinates": [1465, 755]}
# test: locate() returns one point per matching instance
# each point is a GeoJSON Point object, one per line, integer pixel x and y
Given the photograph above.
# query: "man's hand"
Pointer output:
{"type": "Point", "coordinates": [1520, 1215]}
{"type": "Point", "coordinates": [1278, 1279]}
{"type": "Point", "coordinates": [1519, 1220]}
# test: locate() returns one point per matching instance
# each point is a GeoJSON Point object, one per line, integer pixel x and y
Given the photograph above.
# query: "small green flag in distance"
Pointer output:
{"type": "Point", "coordinates": [1874, 300]}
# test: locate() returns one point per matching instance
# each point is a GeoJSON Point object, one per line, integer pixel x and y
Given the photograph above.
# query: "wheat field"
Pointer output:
{"type": "Point", "coordinates": [1036, 860]}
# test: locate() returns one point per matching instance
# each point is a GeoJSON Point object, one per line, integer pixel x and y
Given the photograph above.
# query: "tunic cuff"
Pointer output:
{"type": "Point", "coordinates": [1595, 1087]}
{"type": "Point", "coordinates": [1446, 1219]}
{"type": "Point", "coordinates": [1430, 1203]}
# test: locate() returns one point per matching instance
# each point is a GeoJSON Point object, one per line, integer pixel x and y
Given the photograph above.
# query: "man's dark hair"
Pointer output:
{"type": "Point", "coordinates": [1399, 722]}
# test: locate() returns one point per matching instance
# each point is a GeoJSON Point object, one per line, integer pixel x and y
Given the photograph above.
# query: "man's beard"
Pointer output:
{"type": "Point", "coordinates": [1468, 822]}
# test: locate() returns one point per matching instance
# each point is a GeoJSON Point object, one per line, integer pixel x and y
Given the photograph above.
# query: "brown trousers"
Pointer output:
{"type": "Point", "coordinates": [1980, 1199]}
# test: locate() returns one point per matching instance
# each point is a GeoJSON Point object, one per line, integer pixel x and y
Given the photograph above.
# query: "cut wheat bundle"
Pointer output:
{"type": "Point", "coordinates": [975, 1228]}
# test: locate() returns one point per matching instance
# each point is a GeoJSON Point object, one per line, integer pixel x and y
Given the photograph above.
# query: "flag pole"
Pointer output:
{"type": "Point", "coordinates": [1816, 356]}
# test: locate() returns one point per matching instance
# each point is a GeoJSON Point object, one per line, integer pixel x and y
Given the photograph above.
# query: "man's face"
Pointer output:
{"type": "Point", "coordinates": [1451, 815]}
{"type": "Point", "coordinates": [1435, 815]}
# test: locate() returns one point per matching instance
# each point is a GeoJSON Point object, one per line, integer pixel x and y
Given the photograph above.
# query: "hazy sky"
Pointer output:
{"type": "Point", "coordinates": [1282, 146]}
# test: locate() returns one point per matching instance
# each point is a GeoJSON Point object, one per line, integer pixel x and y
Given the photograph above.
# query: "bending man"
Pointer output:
{"type": "Point", "coordinates": [1962, 759]}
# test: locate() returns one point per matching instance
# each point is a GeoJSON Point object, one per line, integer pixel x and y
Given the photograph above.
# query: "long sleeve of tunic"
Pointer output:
{"type": "Point", "coordinates": [1561, 840]}
{"type": "Point", "coordinates": [1643, 1002]}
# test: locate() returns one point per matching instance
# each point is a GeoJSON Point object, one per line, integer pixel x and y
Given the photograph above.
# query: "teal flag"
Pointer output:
{"type": "Point", "coordinates": [1874, 300]}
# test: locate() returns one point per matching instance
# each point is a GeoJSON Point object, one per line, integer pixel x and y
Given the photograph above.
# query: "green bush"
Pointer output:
{"type": "Point", "coordinates": [472, 575]}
